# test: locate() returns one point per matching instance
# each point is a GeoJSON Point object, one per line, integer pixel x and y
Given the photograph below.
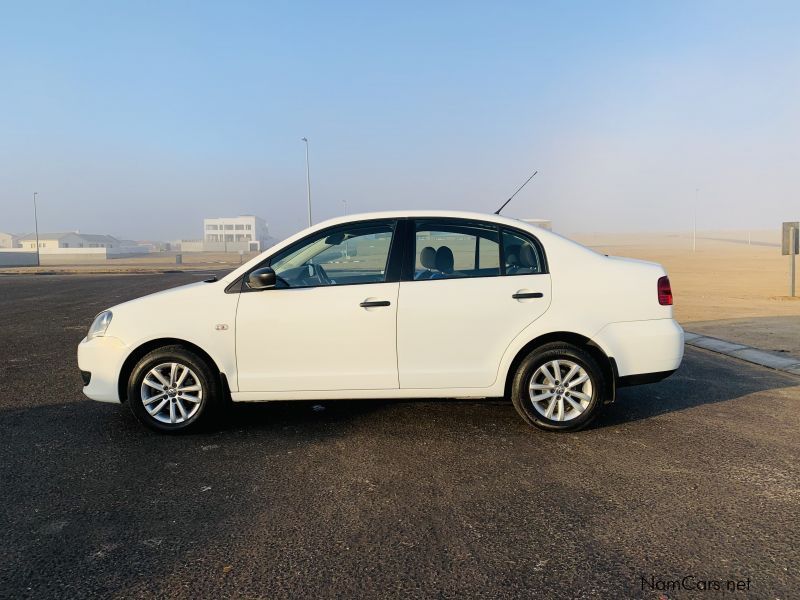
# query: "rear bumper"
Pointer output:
{"type": "Point", "coordinates": [101, 358]}
{"type": "Point", "coordinates": [644, 351]}
{"type": "Point", "coordinates": [643, 378]}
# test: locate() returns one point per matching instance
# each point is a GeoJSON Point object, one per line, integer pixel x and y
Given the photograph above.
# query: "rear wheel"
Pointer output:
{"type": "Point", "coordinates": [172, 390]}
{"type": "Point", "coordinates": [558, 387]}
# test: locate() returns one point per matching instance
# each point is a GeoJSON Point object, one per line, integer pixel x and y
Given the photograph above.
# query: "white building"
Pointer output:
{"type": "Point", "coordinates": [9, 240]}
{"type": "Point", "coordinates": [232, 234]}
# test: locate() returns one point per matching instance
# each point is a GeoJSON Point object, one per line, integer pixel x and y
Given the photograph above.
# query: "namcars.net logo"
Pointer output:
{"type": "Point", "coordinates": [694, 583]}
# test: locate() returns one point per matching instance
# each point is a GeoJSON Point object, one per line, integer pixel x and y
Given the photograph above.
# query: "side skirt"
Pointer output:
{"type": "Point", "coordinates": [394, 393]}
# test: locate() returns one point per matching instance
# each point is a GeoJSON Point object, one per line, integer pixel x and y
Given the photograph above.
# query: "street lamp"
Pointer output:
{"type": "Point", "coordinates": [694, 223]}
{"type": "Point", "coordinates": [36, 226]}
{"type": "Point", "coordinates": [308, 182]}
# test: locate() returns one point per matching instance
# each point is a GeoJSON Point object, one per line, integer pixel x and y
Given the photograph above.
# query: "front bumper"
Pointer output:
{"type": "Point", "coordinates": [103, 358]}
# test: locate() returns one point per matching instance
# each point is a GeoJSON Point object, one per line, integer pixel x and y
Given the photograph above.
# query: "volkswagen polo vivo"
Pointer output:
{"type": "Point", "coordinates": [394, 305]}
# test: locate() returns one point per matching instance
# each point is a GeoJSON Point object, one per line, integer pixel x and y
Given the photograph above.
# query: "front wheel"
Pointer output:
{"type": "Point", "coordinates": [172, 390]}
{"type": "Point", "coordinates": [558, 387]}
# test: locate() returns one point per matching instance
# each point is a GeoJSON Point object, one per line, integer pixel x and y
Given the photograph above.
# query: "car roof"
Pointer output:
{"type": "Point", "coordinates": [450, 214]}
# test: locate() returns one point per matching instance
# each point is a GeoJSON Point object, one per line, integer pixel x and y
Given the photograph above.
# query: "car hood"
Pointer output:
{"type": "Point", "coordinates": [164, 296]}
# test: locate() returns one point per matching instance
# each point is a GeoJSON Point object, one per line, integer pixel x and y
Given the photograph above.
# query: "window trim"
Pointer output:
{"type": "Point", "coordinates": [393, 261]}
{"type": "Point", "coordinates": [409, 256]}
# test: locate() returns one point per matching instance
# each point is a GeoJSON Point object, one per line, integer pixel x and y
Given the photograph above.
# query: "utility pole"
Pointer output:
{"type": "Point", "coordinates": [308, 182]}
{"type": "Point", "coordinates": [36, 226]}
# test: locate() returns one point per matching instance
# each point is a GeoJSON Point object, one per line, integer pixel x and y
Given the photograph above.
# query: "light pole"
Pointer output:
{"type": "Point", "coordinates": [694, 226]}
{"type": "Point", "coordinates": [308, 182]}
{"type": "Point", "coordinates": [36, 226]}
{"type": "Point", "coordinates": [345, 207]}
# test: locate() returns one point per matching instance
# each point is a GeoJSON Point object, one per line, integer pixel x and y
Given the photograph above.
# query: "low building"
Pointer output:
{"type": "Point", "coordinates": [9, 240]}
{"type": "Point", "coordinates": [73, 248]}
{"type": "Point", "coordinates": [70, 239]}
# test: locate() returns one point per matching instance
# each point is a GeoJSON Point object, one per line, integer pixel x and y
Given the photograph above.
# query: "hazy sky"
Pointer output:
{"type": "Point", "coordinates": [139, 120]}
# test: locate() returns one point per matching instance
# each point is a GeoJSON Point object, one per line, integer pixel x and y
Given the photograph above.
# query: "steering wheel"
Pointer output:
{"type": "Point", "coordinates": [318, 276]}
{"type": "Point", "coordinates": [322, 276]}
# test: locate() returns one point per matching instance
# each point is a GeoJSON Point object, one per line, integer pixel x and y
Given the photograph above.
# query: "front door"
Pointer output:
{"type": "Point", "coordinates": [330, 324]}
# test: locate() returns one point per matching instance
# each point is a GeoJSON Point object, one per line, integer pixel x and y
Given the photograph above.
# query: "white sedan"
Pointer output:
{"type": "Point", "coordinates": [426, 304]}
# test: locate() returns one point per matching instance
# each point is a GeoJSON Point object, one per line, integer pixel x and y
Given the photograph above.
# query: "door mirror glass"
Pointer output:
{"type": "Point", "coordinates": [262, 279]}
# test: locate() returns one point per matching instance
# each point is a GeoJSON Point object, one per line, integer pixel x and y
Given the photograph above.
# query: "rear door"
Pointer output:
{"type": "Point", "coordinates": [469, 288]}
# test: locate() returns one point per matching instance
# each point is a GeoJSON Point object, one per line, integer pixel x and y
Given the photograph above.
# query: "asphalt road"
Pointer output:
{"type": "Point", "coordinates": [696, 476]}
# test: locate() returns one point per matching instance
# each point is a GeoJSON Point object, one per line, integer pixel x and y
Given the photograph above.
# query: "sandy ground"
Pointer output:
{"type": "Point", "coordinates": [734, 286]}
{"type": "Point", "coordinates": [727, 288]}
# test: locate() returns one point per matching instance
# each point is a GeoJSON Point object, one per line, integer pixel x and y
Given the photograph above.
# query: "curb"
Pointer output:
{"type": "Point", "coordinates": [764, 358]}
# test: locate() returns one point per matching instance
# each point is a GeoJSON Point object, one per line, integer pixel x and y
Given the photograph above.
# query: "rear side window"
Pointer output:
{"type": "Point", "coordinates": [521, 256]}
{"type": "Point", "coordinates": [451, 249]}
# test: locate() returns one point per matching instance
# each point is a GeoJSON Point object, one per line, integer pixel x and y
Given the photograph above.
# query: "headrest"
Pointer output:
{"type": "Point", "coordinates": [444, 260]}
{"type": "Point", "coordinates": [512, 255]}
{"type": "Point", "coordinates": [527, 257]}
{"type": "Point", "coordinates": [428, 257]}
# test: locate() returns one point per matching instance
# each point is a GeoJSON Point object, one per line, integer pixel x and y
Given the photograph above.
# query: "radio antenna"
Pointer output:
{"type": "Point", "coordinates": [497, 212]}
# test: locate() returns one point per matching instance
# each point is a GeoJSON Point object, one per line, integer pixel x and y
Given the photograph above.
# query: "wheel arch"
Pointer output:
{"type": "Point", "coordinates": [149, 346]}
{"type": "Point", "coordinates": [607, 363]}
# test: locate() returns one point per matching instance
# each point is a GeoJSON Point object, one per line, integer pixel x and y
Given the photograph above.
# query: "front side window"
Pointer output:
{"type": "Point", "coordinates": [358, 253]}
{"type": "Point", "coordinates": [452, 249]}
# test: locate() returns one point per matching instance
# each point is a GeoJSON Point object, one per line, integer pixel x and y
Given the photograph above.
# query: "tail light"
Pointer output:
{"type": "Point", "coordinates": [664, 291]}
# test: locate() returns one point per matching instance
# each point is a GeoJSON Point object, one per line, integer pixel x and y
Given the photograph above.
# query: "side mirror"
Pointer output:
{"type": "Point", "coordinates": [262, 279]}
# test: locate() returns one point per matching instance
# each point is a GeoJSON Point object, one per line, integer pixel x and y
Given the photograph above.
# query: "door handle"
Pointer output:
{"type": "Point", "coordinates": [521, 295]}
{"type": "Point", "coordinates": [372, 303]}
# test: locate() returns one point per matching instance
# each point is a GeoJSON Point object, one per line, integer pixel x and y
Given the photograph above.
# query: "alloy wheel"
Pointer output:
{"type": "Point", "coordinates": [171, 393]}
{"type": "Point", "coordinates": [560, 390]}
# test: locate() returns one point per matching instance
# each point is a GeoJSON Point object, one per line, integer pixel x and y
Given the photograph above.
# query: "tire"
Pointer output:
{"type": "Point", "coordinates": [184, 408]}
{"type": "Point", "coordinates": [570, 405]}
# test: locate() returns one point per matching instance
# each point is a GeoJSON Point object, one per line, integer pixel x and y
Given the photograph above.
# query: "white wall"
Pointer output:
{"type": "Point", "coordinates": [195, 246]}
{"type": "Point", "coordinates": [65, 256]}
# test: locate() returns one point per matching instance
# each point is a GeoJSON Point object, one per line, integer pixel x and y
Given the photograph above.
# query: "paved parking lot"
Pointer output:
{"type": "Point", "coordinates": [696, 476]}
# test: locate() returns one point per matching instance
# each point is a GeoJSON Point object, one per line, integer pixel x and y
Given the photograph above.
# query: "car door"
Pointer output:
{"type": "Point", "coordinates": [330, 323]}
{"type": "Point", "coordinates": [468, 289]}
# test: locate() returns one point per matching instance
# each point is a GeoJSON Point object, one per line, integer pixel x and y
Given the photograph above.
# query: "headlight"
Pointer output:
{"type": "Point", "coordinates": [100, 324]}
